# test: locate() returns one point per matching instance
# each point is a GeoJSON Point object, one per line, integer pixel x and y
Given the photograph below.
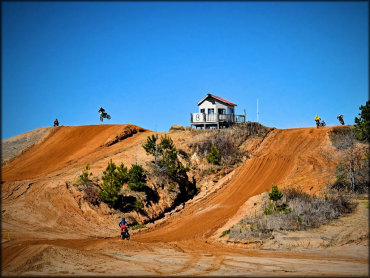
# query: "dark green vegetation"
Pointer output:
{"type": "Point", "coordinates": [111, 186]}
{"type": "Point", "coordinates": [362, 124]}
{"type": "Point", "coordinates": [136, 178]}
{"type": "Point", "coordinates": [214, 156]}
{"type": "Point", "coordinates": [275, 193]}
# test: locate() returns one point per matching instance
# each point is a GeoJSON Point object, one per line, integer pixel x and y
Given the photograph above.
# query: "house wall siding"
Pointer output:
{"type": "Point", "coordinates": [217, 105]}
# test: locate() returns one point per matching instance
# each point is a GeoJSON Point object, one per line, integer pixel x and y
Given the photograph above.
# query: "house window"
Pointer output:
{"type": "Point", "coordinates": [231, 110]}
{"type": "Point", "coordinates": [202, 110]}
{"type": "Point", "coordinates": [211, 111]}
{"type": "Point", "coordinates": [222, 111]}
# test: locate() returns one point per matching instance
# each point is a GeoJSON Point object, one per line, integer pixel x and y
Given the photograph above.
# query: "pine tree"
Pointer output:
{"type": "Point", "coordinates": [275, 193]}
{"type": "Point", "coordinates": [111, 185]}
{"type": "Point", "coordinates": [136, 178]}
{"type": "Point", "coordinates": [362, 124]}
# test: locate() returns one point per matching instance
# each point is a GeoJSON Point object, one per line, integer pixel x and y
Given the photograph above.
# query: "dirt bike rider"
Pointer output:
{"type": "Point", "coordinates": [56, 122]}
{"type": "Point", "coordinates": [124, 228]}
{"type": "Point", "coordinates": [317, 120]}
{"type": "Point", "coordinates": [340, 118]}
{"type": "Point", "coordinates": [101, 111]}
{"type": "Point", "coordinates": [123, 222]}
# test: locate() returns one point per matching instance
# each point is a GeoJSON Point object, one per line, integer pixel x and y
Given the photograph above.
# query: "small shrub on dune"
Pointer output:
{"type": "Point", "coordinates": [91, 195]}
{"type": "Point", "coordinates": [138, 206]}
{"type": "Point", "coordinates": [297, 211]}
{"type": "Point", "coordinates": [214, 156]}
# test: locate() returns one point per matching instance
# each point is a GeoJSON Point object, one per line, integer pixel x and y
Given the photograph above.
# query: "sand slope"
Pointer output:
{"type": "Point", "coordinates": [62, 146]}
{"type": "Point", "coordinates": [45, 221]}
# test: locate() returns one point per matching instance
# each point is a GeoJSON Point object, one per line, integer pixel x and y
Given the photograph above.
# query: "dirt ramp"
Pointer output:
{"type": "Point", "coordinates": [61, 147]}
{"type": "Point", "coordinates": [275, 159]}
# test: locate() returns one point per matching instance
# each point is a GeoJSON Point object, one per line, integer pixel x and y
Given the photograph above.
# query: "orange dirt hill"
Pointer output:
{"type": "Point", "coordinates": [40, 218]}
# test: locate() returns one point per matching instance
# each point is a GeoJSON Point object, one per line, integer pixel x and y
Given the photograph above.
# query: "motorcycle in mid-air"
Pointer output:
{"type": "Point", "coordinates": [103, 114]}
{"type": "Point", "coordinates": [340, 118]}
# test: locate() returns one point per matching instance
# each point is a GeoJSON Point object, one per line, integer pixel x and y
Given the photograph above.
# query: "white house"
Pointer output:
{"type": "Point", "coordinates": [215, 112]}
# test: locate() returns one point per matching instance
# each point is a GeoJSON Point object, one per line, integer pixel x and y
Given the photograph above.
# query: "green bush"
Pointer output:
{"type": "Point", "coordinates": [275, 193]}
{"type": "Point", "coordinates": [138, 226]}
{"type": "Point", "coordinates": [214, 156]}
{"type": "Point", "coordinates": [111, 185]}
{"type": "Point", "coordinates": [84, 178]}
{"type": "Point", "coordinates": [270, 209]}
{"type": "Point", "coordinates": [136, 178]}
{"type": "Point", "coordinates": [284, 208]}
{"type": "Point", "coordinates": [138, 206]}
{"type": "Point", "coordinates": [224, 233]}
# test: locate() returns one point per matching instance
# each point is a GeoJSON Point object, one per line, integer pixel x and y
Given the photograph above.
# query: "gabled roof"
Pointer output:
{"type": "Point", "coordinates": [218, 98]}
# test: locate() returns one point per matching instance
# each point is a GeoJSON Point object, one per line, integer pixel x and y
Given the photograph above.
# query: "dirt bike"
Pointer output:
{"type": "Point", "coordinates": [323, 124]}
{"type": "Point", "coordinates": [124, 233]}
{"type": "Point", "coordinates": [341, 121]}
{"type": "Point", "coordinates": [104, 115]}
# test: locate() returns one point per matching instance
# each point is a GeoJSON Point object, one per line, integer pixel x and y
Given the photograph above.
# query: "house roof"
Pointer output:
{"type": "Point", "coordinates": [218, 98]}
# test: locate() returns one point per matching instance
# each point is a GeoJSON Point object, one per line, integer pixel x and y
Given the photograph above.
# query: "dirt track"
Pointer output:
{"type": "Point", "coordinates": [185, 239]}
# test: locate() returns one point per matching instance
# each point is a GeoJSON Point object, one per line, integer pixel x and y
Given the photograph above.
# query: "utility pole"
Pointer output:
{"type": "Point", "coordinates": [257, 112]}
{"type": "Point", "coordinates": [156, 148]}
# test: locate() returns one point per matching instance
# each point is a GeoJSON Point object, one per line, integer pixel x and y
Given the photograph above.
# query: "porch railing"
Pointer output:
{"type": "Point", "coordinates": [216, 118]}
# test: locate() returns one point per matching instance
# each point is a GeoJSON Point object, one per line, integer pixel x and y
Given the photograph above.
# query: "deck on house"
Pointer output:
{"type": "Point", "coordinates": [203, 120]}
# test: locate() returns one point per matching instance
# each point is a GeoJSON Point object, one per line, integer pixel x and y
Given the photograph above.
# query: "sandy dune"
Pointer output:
{"type": "Point", "coordinates": [34, 196]}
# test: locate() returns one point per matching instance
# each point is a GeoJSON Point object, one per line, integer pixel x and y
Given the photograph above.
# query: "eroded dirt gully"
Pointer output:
{"type": "Point", "coordinates": [44, 231]}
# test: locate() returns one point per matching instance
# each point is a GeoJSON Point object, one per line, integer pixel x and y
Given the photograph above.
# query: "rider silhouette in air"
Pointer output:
{"type": "Point", "coordinates": [101, 110]}
{"type": "Point", "coordinates": [103, 114]}
{"type": "Point", "coordinates": [340, 118]}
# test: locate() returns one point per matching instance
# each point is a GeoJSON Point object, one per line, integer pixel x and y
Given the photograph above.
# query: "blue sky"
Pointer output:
{"type": "Point", "coordinates": [149, 63]}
